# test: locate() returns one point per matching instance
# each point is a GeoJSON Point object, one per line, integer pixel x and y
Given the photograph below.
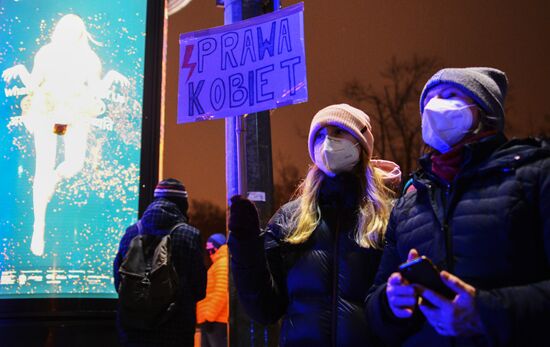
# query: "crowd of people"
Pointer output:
{"type": "Point", "coordinates": [328, 265]}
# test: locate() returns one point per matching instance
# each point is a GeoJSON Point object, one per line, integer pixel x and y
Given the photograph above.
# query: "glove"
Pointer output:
{"type": "Point", "coordinates": [244, 222]}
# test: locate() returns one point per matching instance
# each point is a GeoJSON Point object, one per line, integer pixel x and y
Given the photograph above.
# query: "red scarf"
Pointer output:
{"type": "Point", "coordinates": [447, 165]}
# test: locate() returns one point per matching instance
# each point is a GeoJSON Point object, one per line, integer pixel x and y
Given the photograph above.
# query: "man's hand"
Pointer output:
{"type": "Point", "coordinates": [457, 317]}
{"type": "Point", "coordinates": [402, 296]}
{"type": "Point", "coordinates": [243, 218]}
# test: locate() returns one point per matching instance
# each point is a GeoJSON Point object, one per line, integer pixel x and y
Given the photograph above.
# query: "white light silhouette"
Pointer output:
{"type": "Point", "coordinates": [64, 95]}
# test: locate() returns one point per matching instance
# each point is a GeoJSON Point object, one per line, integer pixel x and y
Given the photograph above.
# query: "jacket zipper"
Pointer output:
{"type": "Point", "coordinates": [447, 231]}
{"type": "Point", "coordinates": [442, 218]}
{"type": "Point", "coordinates": [335, 282]}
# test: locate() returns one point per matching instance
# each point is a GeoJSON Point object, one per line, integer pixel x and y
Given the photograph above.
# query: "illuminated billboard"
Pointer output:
{"type": "Point", "coordinates": [71, 89]}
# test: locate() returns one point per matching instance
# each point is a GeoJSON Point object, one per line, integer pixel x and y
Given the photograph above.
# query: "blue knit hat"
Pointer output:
{"type": "Point", "coordinates": [170, 188]}
{"type": "Point", "coordinates": [217, 240]}
{"type": "Point", "coordinates": [486, 86]}
{"type": "Point", "coordinates": [173, 190]}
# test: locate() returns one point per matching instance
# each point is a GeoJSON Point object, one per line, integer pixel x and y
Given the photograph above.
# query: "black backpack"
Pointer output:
{"type": "Point", "coordinates": [149, 283]}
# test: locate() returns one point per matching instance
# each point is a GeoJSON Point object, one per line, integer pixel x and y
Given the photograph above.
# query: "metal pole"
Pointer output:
{"type": "Point", "coordinates": [249, 169]}
{"type": "Point", "coordinates": [240, 134]}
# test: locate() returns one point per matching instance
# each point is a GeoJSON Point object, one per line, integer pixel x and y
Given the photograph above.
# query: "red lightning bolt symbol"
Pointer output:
{"type": "Point", "coordinates": [186, 63]}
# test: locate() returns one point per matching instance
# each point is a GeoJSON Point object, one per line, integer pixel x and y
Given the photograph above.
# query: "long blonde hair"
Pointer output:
{"type": "Point", "coordinates": [374, 207]}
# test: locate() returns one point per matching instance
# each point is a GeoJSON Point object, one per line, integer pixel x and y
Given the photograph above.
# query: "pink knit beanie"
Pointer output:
{"type": "Point", "coordinates": [346, 117]}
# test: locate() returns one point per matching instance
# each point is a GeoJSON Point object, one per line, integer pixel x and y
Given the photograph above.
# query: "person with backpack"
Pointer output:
{"type": "Point", "coordinates": [159, 273]}
{"type": "Point", "coordinates": [213, 310]}
{"type": "Point", "coordinates": [479, 208]}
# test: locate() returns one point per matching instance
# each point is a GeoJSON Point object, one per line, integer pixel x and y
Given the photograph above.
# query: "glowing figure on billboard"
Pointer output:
{"type": "Point", "coordinates": [64, 98]}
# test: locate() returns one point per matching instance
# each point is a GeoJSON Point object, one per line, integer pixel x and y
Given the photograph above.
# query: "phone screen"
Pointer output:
{"type": "Point", "coordinates": [423, 271]}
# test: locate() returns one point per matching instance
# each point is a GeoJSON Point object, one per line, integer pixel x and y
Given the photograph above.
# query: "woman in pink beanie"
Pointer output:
{"type": "Point", "coordinates": [317, 258]}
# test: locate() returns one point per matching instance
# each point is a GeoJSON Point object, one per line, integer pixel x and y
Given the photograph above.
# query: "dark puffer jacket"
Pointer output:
{"type": "Point", "coordinates": [159, 218]}
{"type": "Point", "coordinates": [318, 287]}
{"type": "Point", "coordinates": [491, 228]}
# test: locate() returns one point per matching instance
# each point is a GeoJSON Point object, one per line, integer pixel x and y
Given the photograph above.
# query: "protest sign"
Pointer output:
{"type": "Point", "coordinates": [250, 66]}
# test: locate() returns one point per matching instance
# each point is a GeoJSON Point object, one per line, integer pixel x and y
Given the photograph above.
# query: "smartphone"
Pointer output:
{"type": "Point", "coordinates": [423, 271]}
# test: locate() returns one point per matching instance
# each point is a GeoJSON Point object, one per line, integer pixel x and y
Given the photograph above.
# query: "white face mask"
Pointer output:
{"type": "Point", "coordinates": [335, 155]}
{"type": "Point", "coordinates": [445, 122]}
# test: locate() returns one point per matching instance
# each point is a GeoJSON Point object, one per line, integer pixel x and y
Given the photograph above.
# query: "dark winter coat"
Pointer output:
{"type": "Point", "coordinates": [491, 228]}
{"type": "Point", "coordinates": [159, 218]}
{"type": "Point", "coordinates": [317, 287]}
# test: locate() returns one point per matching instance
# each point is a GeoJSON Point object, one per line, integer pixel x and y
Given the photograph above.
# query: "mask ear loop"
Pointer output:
{"type": "Point", "coordinates": [481, 115]}
{"type": "Point", "coordinates": [479, 125]}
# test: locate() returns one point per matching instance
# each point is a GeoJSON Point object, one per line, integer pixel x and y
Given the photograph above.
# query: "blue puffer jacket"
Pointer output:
{"type": "Point", "coordinates": [491, 228]}
{"type": "Point", "coordinates": [317, 287]}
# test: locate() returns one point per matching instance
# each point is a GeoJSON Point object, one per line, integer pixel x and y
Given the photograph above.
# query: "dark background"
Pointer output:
{"type": "Point", "coordinates": [356, 40]}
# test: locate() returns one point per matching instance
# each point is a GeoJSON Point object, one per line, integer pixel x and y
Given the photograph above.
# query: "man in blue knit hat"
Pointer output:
{"type": "Point", "coordinates": [478, 209]}
{"type": "Point", "coordinates": [168, 213]}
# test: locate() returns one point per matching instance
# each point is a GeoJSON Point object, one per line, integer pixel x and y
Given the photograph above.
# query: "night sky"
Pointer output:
{"type": "Point", "coordinates": [350, 39]}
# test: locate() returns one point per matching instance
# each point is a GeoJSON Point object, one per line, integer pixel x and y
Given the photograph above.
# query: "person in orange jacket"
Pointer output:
{"type": "Point", "coordinates": [213, 310]}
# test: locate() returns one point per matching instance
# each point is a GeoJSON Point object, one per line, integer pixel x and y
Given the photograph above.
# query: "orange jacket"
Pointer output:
{"type": "Point", "coordinates": [215, 306]}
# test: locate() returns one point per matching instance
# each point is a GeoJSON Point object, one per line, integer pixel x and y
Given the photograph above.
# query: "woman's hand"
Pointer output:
{"type": "Point", "coordinates": [244, 222]}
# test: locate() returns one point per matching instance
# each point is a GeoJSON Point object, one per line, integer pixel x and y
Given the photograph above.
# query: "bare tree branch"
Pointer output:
{"type": "Point", "coordinates": [396, 123]}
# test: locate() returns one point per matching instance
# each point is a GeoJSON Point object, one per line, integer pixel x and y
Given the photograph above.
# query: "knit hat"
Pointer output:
{"type": "Point", "coordinates": [217, 240]}
{"type": "Point", "coordinates": [170, 188]}
{"type": "Point", "coordinates": [486, 86]}
{"type": "Point", "coordinates": [344, 116]}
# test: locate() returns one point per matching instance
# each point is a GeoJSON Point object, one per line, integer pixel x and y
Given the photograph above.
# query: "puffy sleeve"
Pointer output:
{"type": "Point", "coordinates": [387, 327]}
{"type": "Point", "coordinates": [520, 315]}
{"type": "Point", "coordinates": [258, 271]}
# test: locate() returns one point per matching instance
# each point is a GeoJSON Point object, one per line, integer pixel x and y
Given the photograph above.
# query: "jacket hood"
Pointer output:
{"type": "Point", "coordinates": [162, 214]}
{"type": "Point", "coordinates": [518, 152]}
{"type": "Point", "coordinates": [389, 171]}
{"type": "Point", "coordinates": [493, 153]}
